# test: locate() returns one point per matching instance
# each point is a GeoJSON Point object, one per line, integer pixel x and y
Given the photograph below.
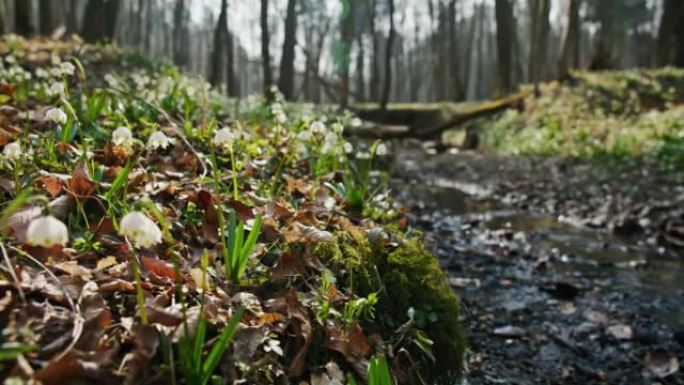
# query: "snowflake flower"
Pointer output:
{"type": "Point", "coordinates": [224, 138]}
{"type": "Point", "coordinates": [57, 88]}
{"type": "Point", "coordinates": [12, 150]}
{"type": "Point", "coordinates": [157, 140]}
{"type": "Point", "coordinates": [140, 229]}
{"type": "Point", "coordinates": [67, 68]}
{"type": "Point", "coordinates": [122, 137]}
{"type": "Point", "coordinates": [47, 231]}
{"type": "Point", "coordinates": [317, 127]}
{"type": "Point", "coordinates": [56, 115]}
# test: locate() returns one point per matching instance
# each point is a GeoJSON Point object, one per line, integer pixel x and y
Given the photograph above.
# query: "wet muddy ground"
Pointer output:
{"type": "Point", "coordinates": [549, 298]}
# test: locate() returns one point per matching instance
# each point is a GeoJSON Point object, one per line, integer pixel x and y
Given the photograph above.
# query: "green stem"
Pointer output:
{"type": "Point", "coordinates": [140, 296]}
{"type": "Point", "coordinates": [234, 175]}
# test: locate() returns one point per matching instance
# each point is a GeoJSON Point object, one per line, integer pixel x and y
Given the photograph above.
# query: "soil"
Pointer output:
{"type": "Point", "coordinates": [555, 288]}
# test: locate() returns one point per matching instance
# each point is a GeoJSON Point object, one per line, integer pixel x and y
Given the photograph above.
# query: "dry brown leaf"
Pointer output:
{"type": "Point", "coordinates": [80, 183]}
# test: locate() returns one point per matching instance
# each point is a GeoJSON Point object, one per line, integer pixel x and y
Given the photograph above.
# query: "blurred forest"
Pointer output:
{"type": "Point", "coordinates": [353, 51]}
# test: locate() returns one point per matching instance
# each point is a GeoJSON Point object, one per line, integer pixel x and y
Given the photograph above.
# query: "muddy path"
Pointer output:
{"type": "Point", "coordinates": [552, 296]}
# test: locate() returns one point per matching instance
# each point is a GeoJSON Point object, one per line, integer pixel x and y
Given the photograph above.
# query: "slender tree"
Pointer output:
{"type": "Point", "coordinates": [180, 39]}
{"type": "Point", "coordinates": [101, 16]}
{"type": "Point", "coordinates": [287, 73]}
{"type": "Point", "coordinates": [604, 53]}
{"type": "Point", "coordinates": [72, 17]}
{"type": "Point", "coordinates": [3, 24]}
{"type": "Point", "coordinates": [360, 64]}
{"type": "Point", "coordinates": [539, 15]}
{"type": "Point", "coordinates": [23, 20]}
{"type": "Point", "coordinates": [265, 51]}
{"type": "Point", "coordinates": [45, 17]}
{"type": "Point", "coordinates": [388, 58]}
{"type": "Point", "coordinates": [569, 55]}
{"type": "Point", "coordinates": [375, 57]}
{"type": "Point", "coordinates": [343, 49]}
{"type": "Point", "coordinates": [505, 33]}
{"type": "Point", "coordinates": [218, 53]}
{"type": "Point", "coordinates": [454, 84]}
{"type": "Point", "coordinates": [670, 40]}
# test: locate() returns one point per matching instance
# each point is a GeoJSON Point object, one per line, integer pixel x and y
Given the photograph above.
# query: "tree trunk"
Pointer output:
{"type": "Point", "coordinates": [231, 80]}
{"type": "Point", "coordinates": [375, 57]}
{"type": "Point", "coordinates": [456, 93]}
{"type": "Point", "coordinates": [388, 59]}
{"type": "Point", "coordinates": [539, 10]}
{"type": "Point", "coordinates": [603, 56]}
{"type": "Point", "coordinates": [343, 57]}
{"type": "Point", "coordinates": [179, 43]}
{"type": "Point", "coordinates": [569, 56]}
{"type": "Point", "coordinates": [670, 35]}
{"type": "Point", "coordinates": [287, 73]}
{"type": "Point", "coordinates": [360, 64]}
{"type": "Point", "coordinates": [218, 52]}
{"type": "Point", "coordinates": [505, 33]}
{"type": "Point", "coordinates": [3, 23]}
{"type": "Point", "coordinates": [149, 32]}
{"type": "Point", "coordinates": [265, 51]}
{"type": "Point", "coordinates": [23, 20]}
{"type": "Point", "coordinates": [100, 20]}
{"type": "Point", "coordinates": [469, 47]}
{"type": "Point", "coordinates": [45, 17]}
{"type": "Point", "coordinates": [72, 17]}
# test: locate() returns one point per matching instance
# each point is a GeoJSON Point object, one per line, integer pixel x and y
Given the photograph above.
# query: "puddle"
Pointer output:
{"type": "Point", "coordinates": [625, 266]}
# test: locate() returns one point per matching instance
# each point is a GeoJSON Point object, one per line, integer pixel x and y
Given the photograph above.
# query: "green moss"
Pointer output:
{"type": "Point", "coordinates": [406, 276]}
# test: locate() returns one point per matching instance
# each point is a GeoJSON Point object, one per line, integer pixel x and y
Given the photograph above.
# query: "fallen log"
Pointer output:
{"type": "Point", "coordinates": [426, 121]}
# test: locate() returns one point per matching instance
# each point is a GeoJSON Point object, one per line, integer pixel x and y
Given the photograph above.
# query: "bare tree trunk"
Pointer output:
{"type": "Point", "coordinates": [456, 93]}
{"type": "Point", "coordinates": [539, 10]}
{"type": "Point", "coordinates": [265, 51]}
{"type": "Point", "coordinates": [670, 35]}
{"type": "Point", "coordinates": [231, 80]}
{"type": "Point", "coordinates": [388, 59]}
{"type": "Point", "coordinates": [179, 39]}
{"type": "Point", "coordinates": [360, 64]}
{"type": "Point", "coordinates": [343, 60]}
{"type": "Point", "coordinates": [569, 56]}
{"type": "Point", "coordinates": [218, 52]}
{"type": "Point", "coordinates": [72, 17]}
{"type": "Point", "coordinates": [505, 33]}
{"type": "Point", "coordinates": [149, 32]}
{"type": "Point", "coordinates": [603, 56]}
{"type": "Point", "coordinates": [287, 73]}
{"type": "Point", "coordinates": [100, 16]}
{"type": "Point", "coordinates": [469, 47]}
{"type": "Point", "coordinates": [45, 17]}
{"type": "Point", "coordinates": [375, 57]}
{"type": "Point", "coordinates": [23, 20]}
{"type": "Point", "coordinates": [3, 23]}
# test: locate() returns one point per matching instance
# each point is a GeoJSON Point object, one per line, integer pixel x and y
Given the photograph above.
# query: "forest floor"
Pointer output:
{"type": "Point", "coordinates": [569, 271]}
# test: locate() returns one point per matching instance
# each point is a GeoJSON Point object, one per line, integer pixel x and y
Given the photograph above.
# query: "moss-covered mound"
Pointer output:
{"type": "Point", "coordinates": [412, 289]}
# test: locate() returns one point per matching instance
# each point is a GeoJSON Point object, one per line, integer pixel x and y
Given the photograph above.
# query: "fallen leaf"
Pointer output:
{"type": "Point", "coordinates": [509, 331]}
{"type": "Point", "coordinates": [159, 267]}
{"type": "Point", "coordinates": [660, 364]}
{"type": "Point", "coordinates": [349, 341]}
{"type": "Point", "coordinates": [620, 331]}
{"type": "Point", "coordinates": [80, 184]}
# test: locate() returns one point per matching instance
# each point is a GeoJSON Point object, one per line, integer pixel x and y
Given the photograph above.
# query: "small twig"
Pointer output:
{"type": "Point", "coordinates": [13, 273]}
{"type": "Point", "coordinates": [75, 308]}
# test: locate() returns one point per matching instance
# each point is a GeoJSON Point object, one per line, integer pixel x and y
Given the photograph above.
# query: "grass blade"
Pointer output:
{"type": "Point", "coordinates": [220, 346]}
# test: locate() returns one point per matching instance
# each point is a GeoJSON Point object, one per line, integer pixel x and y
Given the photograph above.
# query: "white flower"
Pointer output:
{"type": "Point", "coordinates": [12, 150]}
{"type": "Point", "coordinates": [381, 150]}
{"type": "Point", "coordinates": [68, 68]}
{"type": "Point", "coordinates": [304, 136]}
{"type": "Point", "coordinates": [276, 108]}
{"type": "Point", "coordinates": [56, 115]}
{"type": "Point", "coordinates": [317, 127]}
{"type": "Point", "coordinates": [41, 73]}
{"type": "Point", "coordinates": [122, 137]}
{"type": "Point", "coordinates": [157, 140]}
{"type": "Point", "coordinates": [363, 155]}
{"type": "Point", "coordinates": [140, 229]}
{"type": "Point", "coordinates": [348, 147]}
{"type": "Point", "coordinates": [224, 138]}
{"type": "Point", "coordinates": [10, 59]}
{"type": "Point", "coordinates": [47, 231]}
{"type": "Point", "coordinates": [356, 122]}
{"type": "Point", "coordinates": [337, 127]}
{"type": "Point", "coordinates": [57, 88]}
{"type": "Point", "coordinates": [56, 72]}
{"type": "Point", "coordinates": [273, 345]}
{"type": "Point", "coordinates": [281, 118]}
{"type": "Point", "coordinates": [111, 80]}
